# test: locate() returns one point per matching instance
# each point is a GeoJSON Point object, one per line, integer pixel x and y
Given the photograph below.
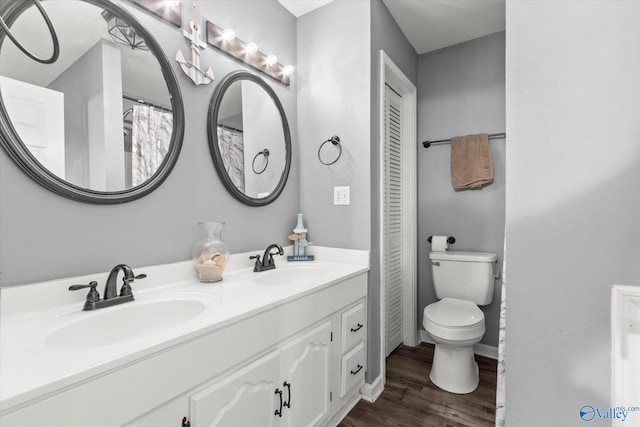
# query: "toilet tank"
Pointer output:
{"type": "Point", "coordinates": [464, 275]}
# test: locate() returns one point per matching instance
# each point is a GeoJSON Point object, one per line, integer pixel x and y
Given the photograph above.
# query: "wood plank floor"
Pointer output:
{"type": "Point", "coordinates": [410, 399]}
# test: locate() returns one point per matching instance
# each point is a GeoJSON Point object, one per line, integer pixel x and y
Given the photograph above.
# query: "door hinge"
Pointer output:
{"type": "Point", "coordinates": [185, 422]}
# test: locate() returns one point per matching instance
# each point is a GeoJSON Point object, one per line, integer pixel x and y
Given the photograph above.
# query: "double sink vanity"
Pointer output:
{"type": "Point", "coordinates": [281, 347]}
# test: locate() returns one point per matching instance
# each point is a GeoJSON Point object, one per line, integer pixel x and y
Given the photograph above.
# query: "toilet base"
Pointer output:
{"type": "Point", "coordinates": [454, 369]}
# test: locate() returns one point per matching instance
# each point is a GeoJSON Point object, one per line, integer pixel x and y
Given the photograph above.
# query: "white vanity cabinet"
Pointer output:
{"type": "Point", "coordinates": [283, 356]}
{"type": "Point", "coordinates": [304, 380]}
{"type": "Point", "coordinates": [286, 387]}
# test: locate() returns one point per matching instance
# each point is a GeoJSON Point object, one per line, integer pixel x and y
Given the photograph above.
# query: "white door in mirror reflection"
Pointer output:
{"type": "Point", "coordinates": [38, 116]}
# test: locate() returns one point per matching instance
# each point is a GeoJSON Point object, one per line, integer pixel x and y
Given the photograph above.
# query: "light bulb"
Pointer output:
{"type": "Point", "coordinates": [288, 70]}
{"type": "Point", "coordinates": [251, 48]}
{"type": "Point", "coordinates": [272, 60]}
{"type": "Point", "coordinates": [228, 35]}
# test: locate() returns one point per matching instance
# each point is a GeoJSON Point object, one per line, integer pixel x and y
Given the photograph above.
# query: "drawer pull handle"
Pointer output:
{"type": "Point", "coordinates": [279, 411]}
{"type": "Point", "coordinates": [357, 370]}
{"type": "Point", "coordinates": [360, 326]}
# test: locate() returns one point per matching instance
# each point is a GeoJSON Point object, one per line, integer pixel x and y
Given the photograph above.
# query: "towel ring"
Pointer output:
{"type": "Point", "coordinates": [264, 153]}
{"type": "Point", "coordinates": [335, 140]}
{"type": "Point", "coordinates": [52, 31]}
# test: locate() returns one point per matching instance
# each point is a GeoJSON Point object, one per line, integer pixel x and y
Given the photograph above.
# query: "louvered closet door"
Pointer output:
{"type": "Point", "coordinates": [392, 243]}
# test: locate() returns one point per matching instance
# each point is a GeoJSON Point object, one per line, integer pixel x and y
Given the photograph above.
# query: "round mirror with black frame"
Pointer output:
{"type": "Point", "coordinates": [103, 121]}
{"type": "Point", "coordinates": [249, 138]}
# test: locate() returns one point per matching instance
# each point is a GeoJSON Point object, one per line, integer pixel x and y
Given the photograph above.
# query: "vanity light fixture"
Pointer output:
{"type": "Point", "coordinates": [251, 48]}
{"type": "Point", "coordinates": [122, 33]}
{"type": "Point", "coordinates": [169, 11]}
{"type": "Point", "coordinates": [228, 35]}
{"type": "Point", "coordinates": [271, 60]}
{"type": "Point", "coordinates": [247, 53]}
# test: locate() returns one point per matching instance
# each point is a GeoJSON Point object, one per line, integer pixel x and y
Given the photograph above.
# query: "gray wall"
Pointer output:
{"type": "Point", "coordinates": [385, 35]}
{"type": "Point", "coordinates": [334, 99]}
{"type": "Point", "coordinates": [461, 90]}
{"type": "Point", "coordinates": [338, 47]}
{"type": "Point", "coordinates": [45, 236]}
{"type": "Point", "coordinates": [572, 201]}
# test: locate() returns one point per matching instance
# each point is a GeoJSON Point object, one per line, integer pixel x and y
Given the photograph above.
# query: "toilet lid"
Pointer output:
{"type": "Point", "coordinates": [452, 313]}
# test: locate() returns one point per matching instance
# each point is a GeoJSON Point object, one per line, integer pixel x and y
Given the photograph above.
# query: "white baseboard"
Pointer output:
{"type": "Point", "coordinates": [344, 411]}
{"type": "Point", "coordinates": [480, 349]}
{"type": "Point", "coordinates": [370, 392]}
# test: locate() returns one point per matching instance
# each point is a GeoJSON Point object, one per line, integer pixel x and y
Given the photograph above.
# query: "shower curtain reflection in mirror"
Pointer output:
{"type": "Point", "coordinates": [231, 146]}
{"type": "Point", "coordinates": [150, 137]}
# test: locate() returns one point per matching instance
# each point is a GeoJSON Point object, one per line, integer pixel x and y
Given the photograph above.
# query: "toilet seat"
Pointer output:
{"type": "Point", "coordinates": [454, 319]}
{"type": "Point", "coordinates": [454, 313]}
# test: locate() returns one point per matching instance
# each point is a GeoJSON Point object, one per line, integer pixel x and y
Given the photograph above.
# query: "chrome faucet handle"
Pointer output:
{"type": "Point", "coordinates": [91, 285]}
{"type": "Point", "coordinates": [93, 295]}
{"type": "Point", "coordinates": [126, 287]}
{"type": "Point", "coordinates": [257, 265]}
{"type": "Point", "coordinates": [131, 279]}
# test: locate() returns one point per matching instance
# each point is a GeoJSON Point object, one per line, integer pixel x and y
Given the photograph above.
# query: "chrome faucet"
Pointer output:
{"type": "Point", "coordinates": [111, 297]}
{"type": "Point", "coordinates": [266, 264]}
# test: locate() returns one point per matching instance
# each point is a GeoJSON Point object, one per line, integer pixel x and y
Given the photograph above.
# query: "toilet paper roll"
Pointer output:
{"type": "Point", "coordinates": [439, 243]}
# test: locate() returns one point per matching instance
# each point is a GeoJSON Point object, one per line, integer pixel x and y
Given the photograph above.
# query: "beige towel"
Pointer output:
{"type": "Point", "coordinates": [471, 165]}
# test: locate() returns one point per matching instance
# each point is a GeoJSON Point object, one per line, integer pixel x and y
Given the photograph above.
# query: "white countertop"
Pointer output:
{"type": "Point", "coordinates": [30, 368]}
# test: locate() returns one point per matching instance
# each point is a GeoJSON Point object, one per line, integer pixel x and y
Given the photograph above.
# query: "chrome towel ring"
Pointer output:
{"type": "Point", "coordinates": [52, 31]}
{"type": "Point", "coordinates": [264, 153]}
{"type": "Point", "coordinates": [335, 140]}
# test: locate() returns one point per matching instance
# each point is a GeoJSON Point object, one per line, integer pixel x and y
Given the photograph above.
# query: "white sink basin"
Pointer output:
{"type": "Point", "coordinates": [128, 321]}
{"type": "Point", "coordinates": [289, 275]}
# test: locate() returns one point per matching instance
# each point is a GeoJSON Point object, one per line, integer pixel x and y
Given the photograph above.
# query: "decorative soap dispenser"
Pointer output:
{"type": "Point", "coordinates": [300, 242]}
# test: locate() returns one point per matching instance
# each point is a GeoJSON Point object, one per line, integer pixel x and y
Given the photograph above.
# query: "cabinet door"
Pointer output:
{"type": "Point", "coordinates": [245, 398]}
{"type": "Point", "coordinates": [305, 377]}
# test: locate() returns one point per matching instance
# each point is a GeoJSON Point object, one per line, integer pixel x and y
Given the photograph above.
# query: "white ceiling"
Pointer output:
{"type": "Point", "coordinates": [432, 24]}
{"type": "Point", "coordinates": [300, 7]}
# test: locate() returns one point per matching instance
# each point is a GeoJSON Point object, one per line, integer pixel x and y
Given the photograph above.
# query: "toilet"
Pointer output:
{"type": "Point", "coordinates": [462, 281]}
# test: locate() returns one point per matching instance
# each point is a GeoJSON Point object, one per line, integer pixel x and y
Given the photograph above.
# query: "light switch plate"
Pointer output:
{"type": "Point", "coordinates": [342, 195]}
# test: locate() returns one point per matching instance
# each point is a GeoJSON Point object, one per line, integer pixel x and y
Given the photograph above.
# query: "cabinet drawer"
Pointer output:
{"type": "Point", "coordinates": [353, 326]}
{"type": "Point", "coordinates": [352, 372]}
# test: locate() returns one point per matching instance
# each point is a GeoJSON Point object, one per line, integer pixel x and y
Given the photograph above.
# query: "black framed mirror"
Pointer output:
{"type": "Point", "coordinates": [103, 123]}
{"type": "Point", "coordinates": [249, 138]}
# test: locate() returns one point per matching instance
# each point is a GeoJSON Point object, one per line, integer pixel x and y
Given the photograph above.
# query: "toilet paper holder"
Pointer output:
{"type": "Point", "coordinates": [450, 240]}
